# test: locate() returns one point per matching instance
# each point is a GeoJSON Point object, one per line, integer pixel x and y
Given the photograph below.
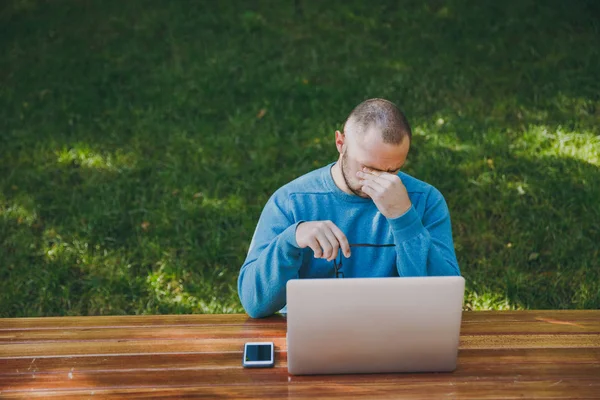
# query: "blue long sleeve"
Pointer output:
{"type": "Point", "coordinates": [273, 258]}
{"type": "Point", "coordinates": [422, 238]}
{"type": "Point", "coordinates": [424, 246]}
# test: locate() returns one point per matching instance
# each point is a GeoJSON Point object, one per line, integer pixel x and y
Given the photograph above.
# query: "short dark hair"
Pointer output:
{"type": "Point", "coordinates": [382, 115]}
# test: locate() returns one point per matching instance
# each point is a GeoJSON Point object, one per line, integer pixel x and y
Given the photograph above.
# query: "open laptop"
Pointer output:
{"type": "Point", "coordinates": [373, 325]}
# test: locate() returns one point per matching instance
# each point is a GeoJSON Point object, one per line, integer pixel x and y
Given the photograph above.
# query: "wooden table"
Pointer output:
{"type": "Point", "coordinates": [545, 354]}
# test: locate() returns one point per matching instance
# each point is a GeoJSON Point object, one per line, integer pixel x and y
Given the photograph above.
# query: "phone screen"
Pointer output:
{"type": "Point", "coordinates": [258, 352]}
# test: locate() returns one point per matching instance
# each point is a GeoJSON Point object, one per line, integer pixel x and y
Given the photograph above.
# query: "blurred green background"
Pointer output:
{"type": "Point", "coordinates": [139, 140]}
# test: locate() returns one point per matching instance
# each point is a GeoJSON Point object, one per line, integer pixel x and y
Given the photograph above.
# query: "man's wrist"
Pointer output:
{"type": "Point", "coordinates": [403, 212]}
{"type": "Point", "coordinates": [407, 225]}
{"type": "Point", "coordinates": [289, 235]}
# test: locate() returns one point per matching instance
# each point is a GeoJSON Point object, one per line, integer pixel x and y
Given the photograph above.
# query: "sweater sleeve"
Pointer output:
{"type": "Point", "coordinates": [273, 258]}
{"type": "Point", "coordinates": [425, 247]}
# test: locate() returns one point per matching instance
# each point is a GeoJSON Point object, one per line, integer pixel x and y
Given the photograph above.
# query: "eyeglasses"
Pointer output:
{"type": "Point", "coordinates": [337, 265]}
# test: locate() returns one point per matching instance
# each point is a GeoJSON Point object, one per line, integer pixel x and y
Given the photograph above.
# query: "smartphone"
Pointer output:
{"type": "Point", "coordinates": [258, 355]}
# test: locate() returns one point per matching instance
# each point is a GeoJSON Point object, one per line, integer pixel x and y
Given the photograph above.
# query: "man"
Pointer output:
{"type": "Point", "coordinates": [363, 199]}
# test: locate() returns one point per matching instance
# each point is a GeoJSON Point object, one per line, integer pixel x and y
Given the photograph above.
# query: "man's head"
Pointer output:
{"type": "Point", "coordinates": [375, 135]}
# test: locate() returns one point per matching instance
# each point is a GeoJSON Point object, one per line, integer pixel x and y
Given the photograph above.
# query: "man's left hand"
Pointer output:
{"type": "Point", "coordinates": [386, 190]}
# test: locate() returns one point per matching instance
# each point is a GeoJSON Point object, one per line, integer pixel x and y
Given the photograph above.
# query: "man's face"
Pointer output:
{"type": "Point", "coordinates": [370, 151]}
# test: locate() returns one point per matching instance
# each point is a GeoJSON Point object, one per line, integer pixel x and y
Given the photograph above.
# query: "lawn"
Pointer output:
{"type": "Point", "coordinates": [139, 141]}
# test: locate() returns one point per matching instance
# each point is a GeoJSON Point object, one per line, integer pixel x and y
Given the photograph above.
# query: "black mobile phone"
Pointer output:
{"type": "Point", "coordinates": [258, 355]}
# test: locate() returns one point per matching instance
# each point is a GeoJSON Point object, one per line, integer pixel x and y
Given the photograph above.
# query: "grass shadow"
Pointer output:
{"type": "Point", "coordinates": [140, 143]}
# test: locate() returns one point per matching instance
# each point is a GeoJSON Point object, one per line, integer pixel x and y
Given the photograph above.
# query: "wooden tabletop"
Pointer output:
{"type": "Point", "coordinates": [544, 354]}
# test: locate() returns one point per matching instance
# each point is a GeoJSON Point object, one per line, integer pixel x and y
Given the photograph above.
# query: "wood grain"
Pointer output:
{"type": "Point", "coordinates": [125, 363]}
{"type": "Point", "coordinates": [182, 377]}
{"type": "Point", "coordinates": [544, 354]}
{"type": "Point", "coordinates": [464, 390]}
{"type": "Point", "coordinates": [102, 348]}
{"type": "Point", "coordinates": [236, 319]}
{"type": "Point", "coordinates": [135, 320]}
{"type": "Point", "coordinates": [143, 333]}
{"type": "Point", "coordinates": [267, 330]}
{"type": "Point", "coordinates": [166, 346]}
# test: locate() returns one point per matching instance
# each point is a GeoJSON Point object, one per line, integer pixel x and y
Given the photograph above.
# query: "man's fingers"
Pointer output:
{"type": "Point", "coordinates": [325, 239]}
{"type": "Point", "coordinates": [374, 185]}
{"type": "Point", "coordinates": [374, 192]}
{"type": "Point", "coordinates": [367, 176]}
{"type": "Point", "coordinates": [325, 245]}
{"type": "Point", "coordinates": [390, 177]}
{"type": "Point", "coordinates": [368, 190]}
{"type": "Point", "coordinates": [316, 248]}
{"type": "Point", "coordinates": [371, 171]}
{"type": "Point", "coordinates": [378, 177]}
{"type": "Point", "coordinates": [374, 175]}
{"type": "Point", "coordinates": [342, 239]}
{"type": "Point", "coordinates": [335, 246]}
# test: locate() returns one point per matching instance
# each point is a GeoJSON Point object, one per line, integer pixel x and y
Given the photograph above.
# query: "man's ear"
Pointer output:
{"type": "Point", "coordinates": [340, 140]}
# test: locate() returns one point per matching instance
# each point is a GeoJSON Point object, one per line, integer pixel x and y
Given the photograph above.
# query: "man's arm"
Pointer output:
{"type": "Point", "coordinates": [425, 247]}
{"type": "Point", "coordinates": [273, 258]}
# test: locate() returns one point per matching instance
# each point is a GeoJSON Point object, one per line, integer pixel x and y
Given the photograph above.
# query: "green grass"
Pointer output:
{"type": "Point", "coordinates": [133, 166]}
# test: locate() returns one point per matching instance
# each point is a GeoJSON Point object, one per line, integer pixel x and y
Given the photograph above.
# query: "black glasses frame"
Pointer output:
{"type": "Point", "coordinates": [337, 266]}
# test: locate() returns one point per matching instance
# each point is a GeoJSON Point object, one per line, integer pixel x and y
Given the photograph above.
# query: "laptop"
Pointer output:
{"type": "Point", "coordinates": [373, 325]}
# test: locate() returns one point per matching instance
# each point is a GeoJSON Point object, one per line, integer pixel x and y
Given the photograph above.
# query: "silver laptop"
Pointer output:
{"type": "Point", "coordinates": [373, 325]}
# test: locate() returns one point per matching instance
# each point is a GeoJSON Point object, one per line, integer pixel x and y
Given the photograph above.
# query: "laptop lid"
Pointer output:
{"type": "Point", "coordinates": [373, 325]}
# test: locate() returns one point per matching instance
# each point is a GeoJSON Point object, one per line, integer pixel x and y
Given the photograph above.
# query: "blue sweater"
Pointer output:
{"type": "Point", "coordinates": [422, 238]}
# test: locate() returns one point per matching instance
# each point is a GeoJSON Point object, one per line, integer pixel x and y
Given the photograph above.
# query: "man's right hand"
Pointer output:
{"type": "Point", "coordinates": [323, 237]}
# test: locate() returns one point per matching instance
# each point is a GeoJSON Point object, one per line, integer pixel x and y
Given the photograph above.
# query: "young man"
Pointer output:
{"type": "Point", "coordinates": [354, 207]}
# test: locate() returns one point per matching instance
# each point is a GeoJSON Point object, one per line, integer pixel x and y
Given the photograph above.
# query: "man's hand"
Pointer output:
{"type": "Point", "coordinates": [386, 190]}
{"type": "Point", "coordinates": [323, 237]}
